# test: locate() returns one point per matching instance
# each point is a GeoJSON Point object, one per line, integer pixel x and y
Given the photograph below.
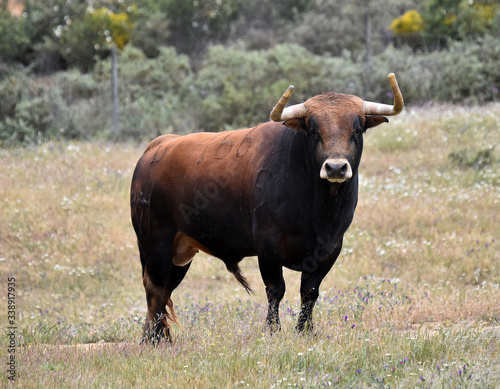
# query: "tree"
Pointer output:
{"type": "Point", "coordinates": [357, 29]}
{"type": "Point", "coordinates": [14, 40]}
{"type": "Point", "coordinates": [334, 27]}
{"type": "Point", "coordinates": [89, 38]}
{"type": "Point", "coordinates": [193, 25]}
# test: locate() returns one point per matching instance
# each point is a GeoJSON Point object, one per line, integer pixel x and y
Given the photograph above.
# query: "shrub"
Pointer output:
{"type": "Point", "coordinates": [409, 23]}
{"type": "Point", "coordinates": [152, 92]}
{"type": "Point", "coordinates": [91, 36]}
{"type": "Point", "coordinates": [238, 88]}
{"type": "Point", "coordinates": [466, 72]}
{"type": "Point", "coordinates": [232, 88]}
{"type": "Point", "coordinates": [466, 159]}
{"type": "Point", "coordinates": [487, 52]}
{"type": "Point", "coordinates": [14, 39]}
{"type": "Point", "coordinates": [68, 105]}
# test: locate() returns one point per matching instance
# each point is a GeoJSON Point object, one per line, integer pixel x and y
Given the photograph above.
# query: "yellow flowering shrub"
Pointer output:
{"type": "Point", "coordinates": [115, 26]}
{"type": "Point", "coordinates": [409, 23]}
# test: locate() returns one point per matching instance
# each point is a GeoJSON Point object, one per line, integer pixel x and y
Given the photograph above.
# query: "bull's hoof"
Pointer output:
{"type": "Point", "coordinates": [155, 333]}
{"type": "Point", "coordinates": [155, 340]}
{"type": "Point", "coordinates": [304, 327]}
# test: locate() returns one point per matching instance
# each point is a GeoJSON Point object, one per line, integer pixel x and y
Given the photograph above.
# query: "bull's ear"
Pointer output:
{"type": "Point", "coordinates": [296, 124]}
{"type": "Point", "coordinates": [375, 120]}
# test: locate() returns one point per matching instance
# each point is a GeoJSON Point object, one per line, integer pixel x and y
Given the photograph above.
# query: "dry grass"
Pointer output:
{"type": "Point", "coordinates": [412, 301]}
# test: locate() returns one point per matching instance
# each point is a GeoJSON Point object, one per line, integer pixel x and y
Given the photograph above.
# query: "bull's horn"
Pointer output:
{"type": "Point", "coordinates": [280, 113]}
{"type": "Point", "coordinates": [384, 109]}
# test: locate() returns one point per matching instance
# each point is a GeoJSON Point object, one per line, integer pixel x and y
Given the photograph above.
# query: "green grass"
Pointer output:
{"type": "Point", "coordinates": [413, 300]}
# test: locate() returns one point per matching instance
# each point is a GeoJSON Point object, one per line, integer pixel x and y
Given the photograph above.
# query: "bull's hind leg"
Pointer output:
{"type": "Point", "coordinates": [158, 298]}
{"type": "Point", "coordinates": [156, 259]}
{"type": "Point", "coordinates": [160, 278]}
{"type": "Point", "coordinates": [156, 326]}
{"type": "Point", "coordinates": [166, 257]}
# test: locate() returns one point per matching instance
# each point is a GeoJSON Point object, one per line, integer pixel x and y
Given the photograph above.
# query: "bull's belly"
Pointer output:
{"type": "Point", "coordinates": [235, 248]}
{"type": "Point", "coordinates": [227, 242]}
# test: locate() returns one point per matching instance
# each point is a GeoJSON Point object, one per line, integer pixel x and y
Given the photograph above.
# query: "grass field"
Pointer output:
{"type": "Point", "coordinates": [413, 300]}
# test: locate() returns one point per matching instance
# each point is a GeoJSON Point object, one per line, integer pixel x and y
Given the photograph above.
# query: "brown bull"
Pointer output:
{"type": "Point", "coordinates": [285, 191]}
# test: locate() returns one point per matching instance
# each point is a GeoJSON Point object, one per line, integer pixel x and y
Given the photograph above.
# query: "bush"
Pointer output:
{"type": "Point", "coordinates": [152, 92]}
{"type": "Point", "coordinates": [466, 72]}
{"type": "Point", "coordinates": [232, 88]}
{"type": "Point", "coordinates": [236, 88]}
{"type": "Point", "coordinates": [67, 105]}
{"type": "Point", "coordinates": [466, 159]}
{"type": "Point", "coordinates": [90, 37]}
{"type": "Point", "coordinates": [14, 39]}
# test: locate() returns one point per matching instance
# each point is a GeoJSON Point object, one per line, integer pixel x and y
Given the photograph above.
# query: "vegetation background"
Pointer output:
{"type": "Point", "coordinates": [187, 66]}
{"type": "Point", "coordinates": [413, 300]}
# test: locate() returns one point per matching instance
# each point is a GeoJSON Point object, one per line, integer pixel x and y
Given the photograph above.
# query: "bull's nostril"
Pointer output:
{"type": "Point", "coordinates": [336, 169]}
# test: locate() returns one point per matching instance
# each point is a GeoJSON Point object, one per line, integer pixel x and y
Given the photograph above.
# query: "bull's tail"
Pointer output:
{"type": "Point", "coordinates": [235, 269]}
{"type": "Point", "coordinates": [169, 315]}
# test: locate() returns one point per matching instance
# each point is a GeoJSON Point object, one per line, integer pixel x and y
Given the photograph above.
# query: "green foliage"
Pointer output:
{"type": "Point", "coordinates": [330, 28]}
{"type": "Point", "coordinates": [150, 32]}
{"type": "Point", "coordinates": [152, 92]}
{"type": "Point", "coordinates": [476, 159]}
{"type": "Point", "coordinates": [12, 83]}
{"type": "Point", "coordinates": [459, 19]}
{"type": "Point", "coordinates": [14, 39]}
{"type": "Point", "coordinates": [464, 73]}
{"type": "Point", "coordinates": [229, 85]}
{"type": "Point", "coordinates": [89, 38]}
{"type": "Point", "coordinates": [192, 24]}
{"type": "Point", "coordinates": [232, 88]}
{"type": "Point", "coordinates": [338, 28]}
{"type": "Point", "coordinates": [43, 19]}
{"type": "Point", "coordinates": [45, 110]}
{"type": "Point", "coordinates": [54, 34]}
{"type": "Point", "coordinates": [246, 91]}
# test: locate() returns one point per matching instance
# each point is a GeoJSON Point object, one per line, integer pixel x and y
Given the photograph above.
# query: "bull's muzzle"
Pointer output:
{"type": "Point", "coordinates": [336, 170]}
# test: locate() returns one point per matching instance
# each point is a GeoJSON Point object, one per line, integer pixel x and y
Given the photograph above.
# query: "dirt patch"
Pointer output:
{"type": "Point", "coordinates": [49, 349]}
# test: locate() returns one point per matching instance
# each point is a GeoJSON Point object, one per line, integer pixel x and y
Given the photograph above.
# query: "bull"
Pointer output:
{"type": "Point", "coordinates": [284, 191]}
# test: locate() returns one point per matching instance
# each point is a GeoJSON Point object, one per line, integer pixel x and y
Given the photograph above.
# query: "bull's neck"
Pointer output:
{"type": "Point", "coordinates": [330, 201]}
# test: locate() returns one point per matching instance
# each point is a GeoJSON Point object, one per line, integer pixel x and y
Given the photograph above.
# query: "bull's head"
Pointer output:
{"type": "Point", "coordinates": [339, 122]}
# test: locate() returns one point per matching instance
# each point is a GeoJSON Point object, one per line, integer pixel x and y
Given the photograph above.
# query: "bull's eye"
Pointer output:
{"type": "Point", "coordinates": [357, 127]}
{"type": "Point", "coordinates": [357, 130]}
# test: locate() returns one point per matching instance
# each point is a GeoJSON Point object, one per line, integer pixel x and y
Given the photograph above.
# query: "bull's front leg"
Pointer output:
{"type": "Point", "coordinates": [274, 296]}
{"type": "Point", "coordinates": [312, 276]}
{"type": "Point", "coordinates": [309, 293]}
{"type": "Point", "coordinates": [272, 275]}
